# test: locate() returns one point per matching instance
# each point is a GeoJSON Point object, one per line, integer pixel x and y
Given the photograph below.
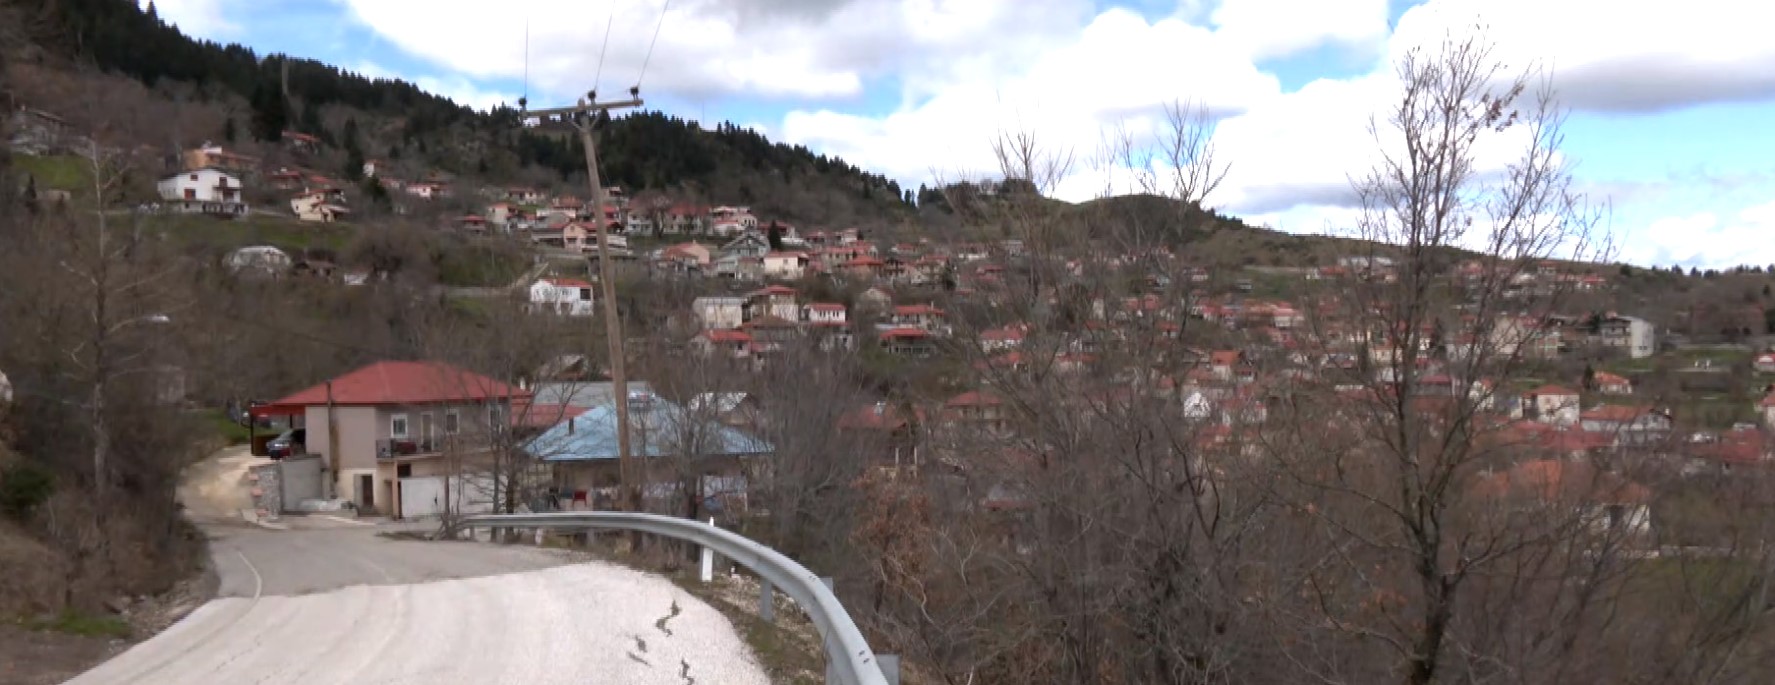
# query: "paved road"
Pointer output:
{"type": "Point", "coordinates": [330, 601]}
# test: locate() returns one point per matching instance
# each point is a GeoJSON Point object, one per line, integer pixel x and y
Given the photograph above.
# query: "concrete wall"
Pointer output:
{"type": "Point", "coordinates": [356, 439]}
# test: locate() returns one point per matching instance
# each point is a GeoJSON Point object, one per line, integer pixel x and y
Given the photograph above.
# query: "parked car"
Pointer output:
{"type": "Point", "coordinates": [293, 441]}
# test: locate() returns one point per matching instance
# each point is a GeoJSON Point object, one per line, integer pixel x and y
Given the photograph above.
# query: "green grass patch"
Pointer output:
{"type": "Point", "coordinates": [284, 233]}
{"type": "Point", "coordinates": [480, 266]}
{"type": "Point", "coordinates": [72, 622]}
{"type": "Point", "coordinates": [1719, 356]}
{"type": "Point", "coordinates": [56, 172]}
{"type": "Point", "coordinates": [229, 431]}
{"type": "Point", "coordinates": [1629, 367]}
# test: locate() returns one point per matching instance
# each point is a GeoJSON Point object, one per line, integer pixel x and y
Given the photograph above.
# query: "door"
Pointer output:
{"type": "Point", "coordinates": [366, 492]}
{"type": "Point", "coordinates": [425, 433]}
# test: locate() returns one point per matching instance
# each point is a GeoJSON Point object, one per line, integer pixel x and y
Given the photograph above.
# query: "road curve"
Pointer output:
{"type": "Point", "coordinates": [342, 605]}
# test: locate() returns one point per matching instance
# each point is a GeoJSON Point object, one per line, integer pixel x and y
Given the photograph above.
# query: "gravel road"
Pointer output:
{"type": "Point", "coordinates": [332, 602]}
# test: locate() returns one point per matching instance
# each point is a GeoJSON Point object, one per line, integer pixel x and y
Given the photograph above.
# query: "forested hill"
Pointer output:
{"type": "Point", "coordinates": [649, 150]}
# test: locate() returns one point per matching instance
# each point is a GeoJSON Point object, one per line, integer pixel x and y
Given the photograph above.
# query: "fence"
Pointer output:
{"type": "Point", "coordinates": [849, 659]}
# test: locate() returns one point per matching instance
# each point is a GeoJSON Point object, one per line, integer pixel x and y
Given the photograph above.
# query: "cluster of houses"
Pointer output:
{"type": "Point", "coordinates": [410, 439]}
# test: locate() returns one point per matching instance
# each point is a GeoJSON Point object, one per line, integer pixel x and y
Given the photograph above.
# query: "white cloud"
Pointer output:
{"type": "Point", "coordinates": [1066, 96]}
{"type": "Point", "coordinates": [1706, 239]}
{"type": "Point", "coordinates": [201, 18]}
{"type": "Point", "coordinates": [799, 49]}
{"type": "Point", "coordinates": [457, 88]}
{"type": "Point", "coordinates": [1619, 55]}
{"type": "Point", "coordinates": [967, 69]}
{"type": "Point", "coordinates": [1266, 29]}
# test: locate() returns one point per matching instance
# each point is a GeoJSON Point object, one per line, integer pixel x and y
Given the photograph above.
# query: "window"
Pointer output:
{"type": "Point", "coordinates": [452, 422]}
{"type": "Point", "coordinates": [397, 426]}
{"type": "Point", "coordinates": [495, 417]}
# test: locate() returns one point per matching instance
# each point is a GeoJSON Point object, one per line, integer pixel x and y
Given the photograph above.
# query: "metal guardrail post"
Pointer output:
{"type": "Point", "coordinates": [767, 601]}
{"type": "Point", "coordinates": [849, 659]}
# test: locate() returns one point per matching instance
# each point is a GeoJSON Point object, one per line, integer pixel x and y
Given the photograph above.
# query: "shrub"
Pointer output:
{"type": "Point", "coordinates": [24, 486]}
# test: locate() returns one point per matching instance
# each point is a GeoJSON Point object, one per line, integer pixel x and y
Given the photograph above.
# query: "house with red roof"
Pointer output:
{"type": "Point", "coordinates": [785, 265]}
{"type": "Point", "coordinates": [1003, 338]}
{"type": "Point", "coordinates": [1549, 490]}
{"type": "Point", "coordinates": [907, 342]}
{"type": "Point", "coordinates": [561, 296]}
{"type": "Point", "coordinates": [823, 314]}
{"type": "Point", "coordinates": [891, 431]}
{"type": "Point", "coordinates": [921, 316]}
{"type": "Point", "coordinates": [390, 421]}
{"type": "Point", "coordinates": [980, 409]}
{"type": "Point", "coordinates": [1612, 384]}
{"type": "Point", "coordinates": [776, 300]}
{"type": "Point", "coordinates": [726, 343]}
{"type": "Point", "coordinates": [1552, 404]}
{"type": "Point", "coordinates": [1629, 424]}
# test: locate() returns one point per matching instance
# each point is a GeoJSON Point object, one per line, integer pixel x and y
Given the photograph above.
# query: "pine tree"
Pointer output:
{"type": "Point", "coordinates": [271, 114]}
{"type": "Point", "coordinates": [354, 164]}
{"type": "Point", "coordinates": [775, 235]}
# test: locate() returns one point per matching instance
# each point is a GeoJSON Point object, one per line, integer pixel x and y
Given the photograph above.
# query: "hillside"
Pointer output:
{"type": "Point", "coordinates": [229, 92]}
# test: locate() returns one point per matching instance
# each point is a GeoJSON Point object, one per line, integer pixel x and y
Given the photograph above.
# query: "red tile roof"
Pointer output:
{"type": "Point", "coordinates": [1615, 412]}
{"type": "Point", "coordinates": [907, 333]}
{"type": "Point", "coordinates": [1553, 390]}
{"type": "Point", "coordinates": [528, 415]}
{"type": "Point", "coordinates": [974, 398]}
{"type": "Point", "coordinates": [917, 310]}
{"type": "Point", "coordinates": [727, 336]}
{"type": "Point", "coordinates": [880, 416]}
{"type": "Point", "coordinates": [399, 383]}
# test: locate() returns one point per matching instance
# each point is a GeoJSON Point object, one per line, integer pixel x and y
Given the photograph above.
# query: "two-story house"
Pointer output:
{"type": "Point", "coordinates": [1635, 335]}
{"type": "Point", "coordinates": [823, 314]}
{"type": "Point", "coordinates": [393, 420]}
{"type": "Point", "coordinates": [563, 296]}
{"type": "Point", "coordinates": [920, 316]}
{"type": "Point", "coordinates": [777, 300]}
{"type": "Point", "coordinates": [204, 191]}
{"type": "Point", "coordinates": [716, 312]}
{"type": "Point", "coordinates": [317, 205]}
{"type": "Point", "coordinates": [785, 265]}
{"type": "Point", "coordinates": [212, 156]}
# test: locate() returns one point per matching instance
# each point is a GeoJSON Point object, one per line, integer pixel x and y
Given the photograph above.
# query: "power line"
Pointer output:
{"type": "Point", "coordinates": [611, 19]}
{"type": "Point", "coordinates": [650, 44]}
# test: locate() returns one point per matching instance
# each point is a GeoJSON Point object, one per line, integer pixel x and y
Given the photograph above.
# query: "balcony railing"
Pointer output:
{"type": "Point", "coordinates": [392, 448]}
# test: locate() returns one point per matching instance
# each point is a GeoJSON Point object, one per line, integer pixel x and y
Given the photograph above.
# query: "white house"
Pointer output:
{"type": "Point", "coordinates": [785, 265]}
{"type": "Point", "coordinates": [777, 300]}
{"type": "Point", "coordinates": [823, 313]}
{"type": "Point", "coordinates": [263, 259]}
{"type": "Point", "coordinates": [316, 206]}
{"type": "Point", "coordinates": [1551, 404]}
{"type": "Point", "coordinates": [564, 296]}
{"type": "Point", "coordinates": [730, 220]}
{"type": "Point", "coordinates": [204, 191]}
{"type": "Point", "coordinates": [1633, 334]}
{"type": "Point", "coordinates": [719, 312]}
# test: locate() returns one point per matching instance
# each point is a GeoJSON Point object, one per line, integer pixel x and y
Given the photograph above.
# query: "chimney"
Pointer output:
{"type": "Point", "coordinates": [570, 425]}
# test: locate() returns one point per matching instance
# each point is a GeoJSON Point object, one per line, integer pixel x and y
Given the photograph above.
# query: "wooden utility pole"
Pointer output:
{"type": "Point", "coordinates": [583, 116]}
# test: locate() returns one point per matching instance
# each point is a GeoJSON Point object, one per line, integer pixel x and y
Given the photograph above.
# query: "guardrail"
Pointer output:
{"type": "Point", "coordinates": [849, 659]}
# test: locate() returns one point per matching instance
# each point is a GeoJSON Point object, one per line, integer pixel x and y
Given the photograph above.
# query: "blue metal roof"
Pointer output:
{"type": "Point", "coordinates": [657, 428]}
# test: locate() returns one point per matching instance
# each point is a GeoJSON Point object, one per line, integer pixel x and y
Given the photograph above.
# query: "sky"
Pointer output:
{"type": "Point", "coordinates": [1670, 107]}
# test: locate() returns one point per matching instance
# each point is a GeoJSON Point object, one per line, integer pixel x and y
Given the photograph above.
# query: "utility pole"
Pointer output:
{"type": "Point", "coordinates": [583, 116]}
